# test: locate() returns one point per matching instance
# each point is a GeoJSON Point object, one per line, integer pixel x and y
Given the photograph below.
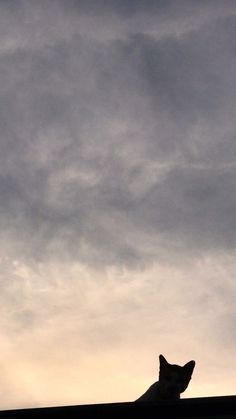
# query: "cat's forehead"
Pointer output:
{"type": "Point", "coordinates": [172, 369]}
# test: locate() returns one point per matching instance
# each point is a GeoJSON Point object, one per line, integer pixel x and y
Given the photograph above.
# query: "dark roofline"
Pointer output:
{"type": "Point", "coordinates": [203, 407]}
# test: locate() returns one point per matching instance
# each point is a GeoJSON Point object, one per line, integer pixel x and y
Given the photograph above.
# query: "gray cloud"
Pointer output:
{"type": "Point", "coordinates": [107, 143]}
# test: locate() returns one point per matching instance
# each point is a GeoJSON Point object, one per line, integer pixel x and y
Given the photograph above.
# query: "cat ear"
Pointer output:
{"type": "Point", "coordinates": [163, 361]}
{"type": "Point", "coordinates": [189, 367]}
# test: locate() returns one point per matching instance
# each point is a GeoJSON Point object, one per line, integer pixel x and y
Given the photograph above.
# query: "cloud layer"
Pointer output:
{"type": "Point", "coordinates": [134, 134]}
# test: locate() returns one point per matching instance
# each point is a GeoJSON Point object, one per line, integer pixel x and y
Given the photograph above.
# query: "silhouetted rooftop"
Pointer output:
{"type": "Point", "coordinates": [204, 407]}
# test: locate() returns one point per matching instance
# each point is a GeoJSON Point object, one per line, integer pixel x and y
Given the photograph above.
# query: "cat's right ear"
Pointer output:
{"type": "Point", "coordinates": [189, 367]}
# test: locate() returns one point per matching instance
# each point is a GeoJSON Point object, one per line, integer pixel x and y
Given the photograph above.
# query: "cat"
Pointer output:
{"type": "Point", "coordinates": [173, 380]}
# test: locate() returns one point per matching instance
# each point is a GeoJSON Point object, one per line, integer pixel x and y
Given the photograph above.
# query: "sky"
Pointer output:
{"type": "Point", "coordinates": [117, 197]}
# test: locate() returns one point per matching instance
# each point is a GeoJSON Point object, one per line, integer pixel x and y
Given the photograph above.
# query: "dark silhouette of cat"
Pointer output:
{"type": "Point", "coordinates": [173, 380]}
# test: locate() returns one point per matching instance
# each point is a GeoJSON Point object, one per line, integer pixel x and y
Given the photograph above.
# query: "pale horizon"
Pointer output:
{"type": "Point", "coordinates": [117, 191]}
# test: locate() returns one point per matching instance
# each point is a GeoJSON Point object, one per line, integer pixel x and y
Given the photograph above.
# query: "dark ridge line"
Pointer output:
{"type": "Point", "coordinates": [217, 407]}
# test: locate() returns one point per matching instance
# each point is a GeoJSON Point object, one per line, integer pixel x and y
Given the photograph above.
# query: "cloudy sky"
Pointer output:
{"type": "Point", "coordinates": [117, 197]}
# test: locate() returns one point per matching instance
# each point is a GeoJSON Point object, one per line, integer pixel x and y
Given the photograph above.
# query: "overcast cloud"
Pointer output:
{"type": "Point", "coordinates": [117, 196]}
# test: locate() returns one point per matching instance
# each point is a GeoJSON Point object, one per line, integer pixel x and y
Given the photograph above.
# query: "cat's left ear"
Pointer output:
{"type": "Point", "coordinates": [189, 367]}
{"type": "Point", "coordinates": [163, 361]}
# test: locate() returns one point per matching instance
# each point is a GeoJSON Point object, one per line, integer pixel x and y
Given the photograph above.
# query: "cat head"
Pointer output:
{"type": "Point", "coordinates": [174, 379]}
